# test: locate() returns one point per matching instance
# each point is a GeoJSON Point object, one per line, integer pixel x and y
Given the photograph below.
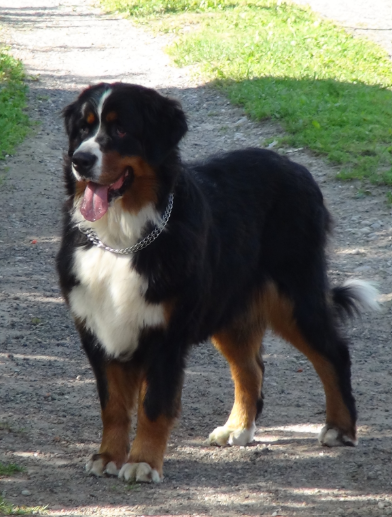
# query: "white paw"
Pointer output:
{"type": "Point", "coordinates": [331, 437]}
{"type": "Point", "coordinates": [227, 435]}
{"type": "Point", "coordinates": [95, 467]}
{"type": "Point", "coordinates": [112, 469]}
{"type": "Point", "coordinates": [141, 472]}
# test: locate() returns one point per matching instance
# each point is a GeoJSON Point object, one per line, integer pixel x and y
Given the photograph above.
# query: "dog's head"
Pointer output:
{"type": "Point", "coordinates": [119, 136]}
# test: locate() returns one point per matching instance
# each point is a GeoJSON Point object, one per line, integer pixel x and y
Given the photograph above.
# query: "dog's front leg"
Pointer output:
{"type": "Point", "coordinates": [118, 386]}
{"type": "Point", "coordinates": [145, 461]}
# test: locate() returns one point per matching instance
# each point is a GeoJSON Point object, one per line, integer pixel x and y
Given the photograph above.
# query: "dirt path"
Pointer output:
{"type": "Point", "coordinates": [49, 412]}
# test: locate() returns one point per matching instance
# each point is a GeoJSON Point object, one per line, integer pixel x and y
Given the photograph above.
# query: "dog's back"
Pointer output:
{"type": "Point", "coordinates": [157, 256]}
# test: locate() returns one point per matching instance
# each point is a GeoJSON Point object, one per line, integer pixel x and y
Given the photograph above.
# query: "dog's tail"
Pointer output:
{"type": "Point", "coordinates": [354, 296]}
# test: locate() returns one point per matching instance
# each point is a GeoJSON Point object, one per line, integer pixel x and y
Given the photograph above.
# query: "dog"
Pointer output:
{"type": "Point", "coordinates": [158, 255]}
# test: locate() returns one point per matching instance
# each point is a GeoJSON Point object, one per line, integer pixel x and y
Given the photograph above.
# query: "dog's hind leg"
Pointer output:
{"type": "Point", "coordinates": [310, 326]}
{"type": "Point", "coordinates": [241, 346]}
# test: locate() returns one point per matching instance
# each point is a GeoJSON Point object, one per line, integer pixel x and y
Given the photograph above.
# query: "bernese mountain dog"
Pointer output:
{"type": "Point", "coordinates": [158, 255]}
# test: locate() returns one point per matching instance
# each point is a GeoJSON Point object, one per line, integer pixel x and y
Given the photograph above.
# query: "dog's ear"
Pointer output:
{"type": "Point", "coordinates": [164, 126]}
{"type": "Point", "coordinates": [69, 114]}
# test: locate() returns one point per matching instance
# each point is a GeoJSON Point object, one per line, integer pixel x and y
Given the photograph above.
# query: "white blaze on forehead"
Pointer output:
{"type": "Point", "coordinates": [102, 100]}
{"type": "Point", "coordinates": [91, 145]}
{"type": "Point", "coordinates": [84, 108]}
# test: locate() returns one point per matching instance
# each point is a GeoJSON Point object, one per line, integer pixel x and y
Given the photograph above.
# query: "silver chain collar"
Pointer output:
{"type": "Point", "coordinates": [93, 237]}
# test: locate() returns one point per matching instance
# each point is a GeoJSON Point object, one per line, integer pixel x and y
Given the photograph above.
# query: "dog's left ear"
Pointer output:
{"type": "Point", "coordinates": [164, 126]}
{"type": "Point", "coordinates": [69, 113]}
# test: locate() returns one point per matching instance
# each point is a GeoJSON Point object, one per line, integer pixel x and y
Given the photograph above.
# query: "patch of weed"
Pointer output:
{"type": "Point", "coordinates": [5, 426]}
{"type": "Point", "coordinates": [143, 9]}
{"type": "Point", "coordinates": [7, 508]}
{"type": "Point", "coordinates": [14, 123]}
{"type": "Point", "coordinates": [8, 469]}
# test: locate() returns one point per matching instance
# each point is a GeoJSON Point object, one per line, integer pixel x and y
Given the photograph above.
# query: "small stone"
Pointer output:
{"type": "Point", "coordinates": [240, 121]}
{"type": "Point", "coordinates": [381, 504]}
{"type": "Point", "coordinates": [26, 492]}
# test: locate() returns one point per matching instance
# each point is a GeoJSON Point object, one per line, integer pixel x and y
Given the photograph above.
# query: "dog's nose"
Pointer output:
{"type": "Point", "coordinates": [83, 162]}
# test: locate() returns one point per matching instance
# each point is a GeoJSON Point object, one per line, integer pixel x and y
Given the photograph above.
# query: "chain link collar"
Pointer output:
{"type": "Point", "coordinates": [93, 237]}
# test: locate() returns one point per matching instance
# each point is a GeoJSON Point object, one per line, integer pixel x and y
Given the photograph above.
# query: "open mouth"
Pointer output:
{"type": "Point", "coordinates": [97, 197]}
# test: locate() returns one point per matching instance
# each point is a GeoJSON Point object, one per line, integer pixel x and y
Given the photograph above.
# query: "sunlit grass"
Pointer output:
{"type": "Point", "coordinates": [330, 91]}
{"type": "Point", "coordinates": [14, 123]}
{"type": "Point", "coordinates": [7, 508]}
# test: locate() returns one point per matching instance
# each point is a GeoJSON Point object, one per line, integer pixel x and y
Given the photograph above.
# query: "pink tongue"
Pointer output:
{"type": "Point", "coordinates": [95, 201]}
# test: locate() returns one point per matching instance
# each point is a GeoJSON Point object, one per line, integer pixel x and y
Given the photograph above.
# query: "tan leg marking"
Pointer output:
{"type": "Point", "coordinates": [241, 346]}
{"type": "Point", "coordinates": [244, 362]}
{"type": "Point", "coordinates": [122, 384]}
{"type": "Point", "coordinates": [145, 461]}
{"type": "Point", "coordinates": [279, 312]}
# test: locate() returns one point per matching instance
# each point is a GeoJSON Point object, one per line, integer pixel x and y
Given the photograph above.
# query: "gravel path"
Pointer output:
{"type": "Point", "coordinates": [49, 413]}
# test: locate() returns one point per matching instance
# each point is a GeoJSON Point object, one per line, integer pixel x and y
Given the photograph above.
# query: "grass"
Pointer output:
{"type": "Point", "coordinates": [10, 469]}
{"type": "Point", "coordinates": [14, 123]}
{"type": "Point", "coordinates": [7, 508]}
{"type": "Point", "coordinates": [11, 509]}
{"type": "Point", "coordinates": [331, 92]}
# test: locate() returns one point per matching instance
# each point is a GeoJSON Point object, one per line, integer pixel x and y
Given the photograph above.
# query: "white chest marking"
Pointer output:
{"type": "Point", "coordinates": [110, 300]}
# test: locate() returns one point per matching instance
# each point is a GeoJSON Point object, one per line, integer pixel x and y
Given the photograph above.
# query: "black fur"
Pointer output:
{"type": "Point", "coordinates": [240, 220]}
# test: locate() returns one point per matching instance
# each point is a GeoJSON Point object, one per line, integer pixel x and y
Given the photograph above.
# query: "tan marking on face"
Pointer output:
{"type": "Point", "coordinates": [144, 186]}
{"type": "Point", "coordinates": [90, 118]}
{"type": "Point", "coordinates": [80, 187]}
{"type": "Point", "coordinates": [112, 115]}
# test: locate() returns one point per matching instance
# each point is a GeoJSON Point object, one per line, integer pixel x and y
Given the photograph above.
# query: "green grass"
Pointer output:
{"type": "Point", "coordinates": [330, 91]}
{"type": "Point", "coordinates": [11, 509]}
{"type": "Point", "coordinates": [10, 469]}
{"type": "Point", "coordinates": [151, 8]}
{"type": "Point", "coordinates": [7, 508]}
{"type": "Point", "coordinates": [14, 123]}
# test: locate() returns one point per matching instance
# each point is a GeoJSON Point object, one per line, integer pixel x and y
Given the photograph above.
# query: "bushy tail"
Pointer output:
{"type": "Point", "coordinates": [353, 297]}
